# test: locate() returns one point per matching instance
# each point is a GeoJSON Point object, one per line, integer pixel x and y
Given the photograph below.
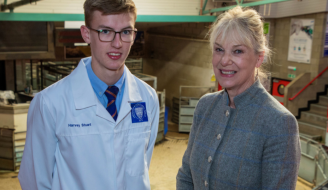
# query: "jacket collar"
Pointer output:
{"type": "Point", "coordinates": [84, 95]}
{"type": "Point", "coordinates": [131, 90]}
{"type": "Point", "coordinates": [82, 90]}
{"type": "Point", "coordinates": [250, 95]}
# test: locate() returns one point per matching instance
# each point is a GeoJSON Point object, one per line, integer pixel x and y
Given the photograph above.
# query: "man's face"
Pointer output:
{"type": "Point", "coordinates": [109, 55]}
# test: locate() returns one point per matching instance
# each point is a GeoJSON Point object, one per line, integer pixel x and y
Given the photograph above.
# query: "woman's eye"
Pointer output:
{"type": "Point", "coordinates": [218, 49]}
{"type": "Point", "coordinates": [126, 32]}
{"type": "Point", "coordinates": [238, 51]}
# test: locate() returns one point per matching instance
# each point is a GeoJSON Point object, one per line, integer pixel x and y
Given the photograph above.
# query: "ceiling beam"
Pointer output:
{"type": "Point", "coordinates": [257, 3]}
{"type": "Point", "coordinates": [16, 4]}
{"type": "Point", "coordinates": [49, 17]}
{"type": "Point", "coordinates": [204, 6]}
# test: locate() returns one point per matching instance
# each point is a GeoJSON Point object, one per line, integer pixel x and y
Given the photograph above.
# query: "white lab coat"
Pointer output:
{"type": "Point", "coordinates": [73, 143]}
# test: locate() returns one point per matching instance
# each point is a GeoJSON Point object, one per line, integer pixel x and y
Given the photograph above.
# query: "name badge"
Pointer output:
{"type": "Point", "coordinates": [139, 112]}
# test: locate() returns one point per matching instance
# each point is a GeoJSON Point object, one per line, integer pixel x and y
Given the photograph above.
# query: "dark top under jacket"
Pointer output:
{"type": "Point", "coordinates": [254, 146]}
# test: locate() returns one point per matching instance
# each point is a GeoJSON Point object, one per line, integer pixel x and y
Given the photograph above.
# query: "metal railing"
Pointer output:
{"type": "Point", "coordinates": [290, 99]}
{"type": "Point", "coordinates": [314, 162]}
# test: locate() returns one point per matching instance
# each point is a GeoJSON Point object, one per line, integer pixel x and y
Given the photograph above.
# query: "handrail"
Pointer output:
{"type": "Point", "coordinates": [290, 99]}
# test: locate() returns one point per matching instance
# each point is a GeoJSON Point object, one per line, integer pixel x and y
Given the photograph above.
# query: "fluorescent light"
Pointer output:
{"type": "Point", "coordinates": [80, 44]}
{"type": "Point", "coordinates": [73, 24]}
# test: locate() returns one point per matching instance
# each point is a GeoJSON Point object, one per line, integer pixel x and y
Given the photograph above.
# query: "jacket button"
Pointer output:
{"type": "Point", "coordinates": [206, 183]}
{"type": "Point", "coordinates": [219, 136]}
{"type": "Point", "coordinates": [227, 113]}
{"type": "Point", "coordinates": [209, 159]}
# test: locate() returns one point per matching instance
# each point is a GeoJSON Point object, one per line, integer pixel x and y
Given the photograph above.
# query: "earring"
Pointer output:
{"type": "Point", "coordinates": [257, 73]}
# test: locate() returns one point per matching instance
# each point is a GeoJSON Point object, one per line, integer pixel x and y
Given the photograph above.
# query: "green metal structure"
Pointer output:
{"type": "Point", "coordinates": [239, 3]}
{"type": "Point", "coordinates": [13, 5]}
{"type": "Point", "coordinates": [80, 17]}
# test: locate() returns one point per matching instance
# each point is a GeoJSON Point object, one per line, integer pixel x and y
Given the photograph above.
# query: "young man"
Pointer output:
{"type": "Point", "coordinates": [96, 128]}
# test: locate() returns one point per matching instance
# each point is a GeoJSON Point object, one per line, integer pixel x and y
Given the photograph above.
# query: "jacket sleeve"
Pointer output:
{"type": "Point", "coordinates": [154, 128]}
{"type": "Point", "coordinates": [38, 161]}
{"type": "Point", "coordinates": [281, 155]}
{"type": "Point", "coordinates": [184, 178]}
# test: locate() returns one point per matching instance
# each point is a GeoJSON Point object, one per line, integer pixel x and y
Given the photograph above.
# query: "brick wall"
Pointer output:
{"type": "Point", "coordinates": [281, 43]}
{"type": "Point", "coordinates": [178, 55]}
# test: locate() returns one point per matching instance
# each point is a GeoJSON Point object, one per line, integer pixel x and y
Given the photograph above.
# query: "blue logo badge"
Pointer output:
{"type": "Point", "coordinates": [139, 112]}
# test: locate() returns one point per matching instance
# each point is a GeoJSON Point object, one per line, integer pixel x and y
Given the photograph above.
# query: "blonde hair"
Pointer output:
{"type": "Point", "coordinates": [241, 25]}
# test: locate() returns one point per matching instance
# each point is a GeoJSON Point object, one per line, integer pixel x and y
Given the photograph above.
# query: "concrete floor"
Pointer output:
{"type": "Point", "coordinates": [166, 160]}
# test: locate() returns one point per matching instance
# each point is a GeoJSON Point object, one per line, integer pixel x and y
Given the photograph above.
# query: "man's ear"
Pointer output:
{"type": "Point", "coordinates": [260, 59]}
{"type": "Point", "coordinates": [85, 32]}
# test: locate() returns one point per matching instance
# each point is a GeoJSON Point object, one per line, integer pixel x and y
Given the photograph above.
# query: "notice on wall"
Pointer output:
{"type": "Point", "coordinates": [325, 48]}
{"type": "Point", "coordinates": [300, 40]}
{"type": "Point", "coordinates": [266, 32]}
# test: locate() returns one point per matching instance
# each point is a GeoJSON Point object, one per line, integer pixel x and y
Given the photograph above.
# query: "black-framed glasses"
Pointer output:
{"type": "Point", "coordinates": [107, 35]}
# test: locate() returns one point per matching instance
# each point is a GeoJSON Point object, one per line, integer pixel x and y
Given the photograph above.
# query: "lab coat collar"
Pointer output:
{"type": "Point", "coordinates": [131, 88]}
{"type": "Point", "coordinates": [83, 93]}
{"type": "Point", "coordinates": [131, 94]}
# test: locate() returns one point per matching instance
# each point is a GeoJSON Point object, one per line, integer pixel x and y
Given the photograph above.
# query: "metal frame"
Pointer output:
{"type": "Point", "coordinates": [13, 5]}
{"type": "Point", "coordinates": [210, 88]}
{"type": "Point", "coordinates": [313, 154]}
{"type": "Point", "coordinates": [241, 3]}
{"type": "Point", "coordinates": [80, 17]}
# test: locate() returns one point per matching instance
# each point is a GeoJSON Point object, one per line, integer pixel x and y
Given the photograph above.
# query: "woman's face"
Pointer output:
{"type": "Point", "coordinates": [234, 65]}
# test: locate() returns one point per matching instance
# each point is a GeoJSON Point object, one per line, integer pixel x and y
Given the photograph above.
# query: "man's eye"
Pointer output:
{"type": "Point", "coordinates": [126, 32]}
{"type": "Point", "coordinates": [106, 31]}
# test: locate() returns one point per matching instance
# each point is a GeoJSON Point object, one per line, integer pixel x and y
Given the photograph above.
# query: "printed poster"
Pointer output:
{"type": "Point", "coordinates": [325, 48]}
{"type": "Point", "coordinates": [300, 40]}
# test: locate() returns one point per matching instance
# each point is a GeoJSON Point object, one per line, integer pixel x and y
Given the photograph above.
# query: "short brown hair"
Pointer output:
{"type": "Point", "coordinates": [108, 7]}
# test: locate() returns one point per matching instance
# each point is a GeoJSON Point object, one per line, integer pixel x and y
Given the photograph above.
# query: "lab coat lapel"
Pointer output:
{"type": "Point", "coordinates": [83, 93]}
{"type": "Point", "coordinates": [131, 94]}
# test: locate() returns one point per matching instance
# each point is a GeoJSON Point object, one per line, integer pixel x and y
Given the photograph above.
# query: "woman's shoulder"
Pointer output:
{"type": "Point", "coordinates": [210, 97]}
{"type": "Point", "coordinates": [278, 115]}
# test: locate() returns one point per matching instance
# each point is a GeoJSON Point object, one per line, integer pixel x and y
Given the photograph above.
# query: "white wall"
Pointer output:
{"type": "Point", "coordinates": [145, 7]}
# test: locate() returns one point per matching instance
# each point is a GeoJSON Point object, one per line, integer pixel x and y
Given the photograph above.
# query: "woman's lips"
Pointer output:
{"type": "Point", "coordinates": [114, 56]}
{"type": "Point", "coordinates": [227, 73]}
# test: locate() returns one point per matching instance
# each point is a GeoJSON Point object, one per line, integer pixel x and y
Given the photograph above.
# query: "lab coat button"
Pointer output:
{"type": "Point", "coordinates": [210, 159]}
{"type": "Point", "coordinates": [219, 136]}
{"type": "Point", "coordinates": [227, 113]}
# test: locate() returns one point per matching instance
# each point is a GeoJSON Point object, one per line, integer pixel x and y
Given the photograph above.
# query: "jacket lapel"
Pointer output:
{"type": "Point", "coordinates": [83, 94]}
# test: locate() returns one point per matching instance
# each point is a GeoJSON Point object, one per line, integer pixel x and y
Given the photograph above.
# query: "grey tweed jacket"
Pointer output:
{"type": "Point", "coordinates": [254, 146]}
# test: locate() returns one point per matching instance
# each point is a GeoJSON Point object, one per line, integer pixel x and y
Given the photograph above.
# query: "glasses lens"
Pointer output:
{"type": "Point", "coordinates": [127, 35]}
{"type": "Point", "coordinates": [106, 35]}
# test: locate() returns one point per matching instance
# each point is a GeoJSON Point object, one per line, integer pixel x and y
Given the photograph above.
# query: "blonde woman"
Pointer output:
{"type": "Point", "coordinates": [241, 137]}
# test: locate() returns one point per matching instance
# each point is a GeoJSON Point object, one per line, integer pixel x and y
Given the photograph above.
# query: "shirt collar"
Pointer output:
{"type": "Point", "coordinates": [98, 85]}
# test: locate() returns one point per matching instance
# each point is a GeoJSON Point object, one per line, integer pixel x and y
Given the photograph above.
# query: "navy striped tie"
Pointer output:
{"type": "Point", "coordinates": [111, 94]}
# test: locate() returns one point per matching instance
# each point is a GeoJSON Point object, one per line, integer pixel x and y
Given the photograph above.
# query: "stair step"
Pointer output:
{"type": "Point", "coordinates": [313, 137]}
{"type": "Point", "coordinates": [314, 118]}
{"type": "Point", "coordinates": [319, 109]}
{"type": "Point", "coordinates": [313, 131]}
{"type": "Point", "coordinates": [323, 100]}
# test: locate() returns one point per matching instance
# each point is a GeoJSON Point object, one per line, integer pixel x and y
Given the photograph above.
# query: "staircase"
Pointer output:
{"type": "Point", "coordinates": [313, 123]}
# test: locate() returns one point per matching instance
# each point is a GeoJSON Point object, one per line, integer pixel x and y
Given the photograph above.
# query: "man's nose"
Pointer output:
{"type": "Point", "coordinates": [117, 42]}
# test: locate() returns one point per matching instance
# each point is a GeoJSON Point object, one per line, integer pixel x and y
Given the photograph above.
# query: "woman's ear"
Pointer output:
{"type": "Point", "coordinates": [85, 32]}
{"type": "Point", "coordinates": [260, 59]}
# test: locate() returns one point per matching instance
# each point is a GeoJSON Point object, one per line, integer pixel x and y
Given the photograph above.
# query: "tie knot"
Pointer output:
{"type": "Point", "coordinates": [111, 92]}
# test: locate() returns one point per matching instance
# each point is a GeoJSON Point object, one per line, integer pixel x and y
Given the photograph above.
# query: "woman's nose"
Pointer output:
{"type": "Point", "coordinates": [226, 59]}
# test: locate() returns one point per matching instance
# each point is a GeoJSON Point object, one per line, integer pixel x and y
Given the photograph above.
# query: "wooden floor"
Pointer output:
{"type": "Point", "coordinates": [166, 160]}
